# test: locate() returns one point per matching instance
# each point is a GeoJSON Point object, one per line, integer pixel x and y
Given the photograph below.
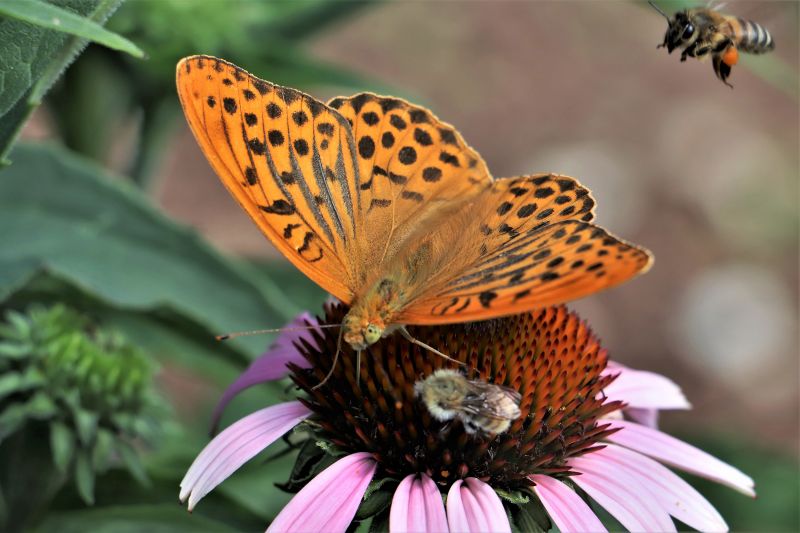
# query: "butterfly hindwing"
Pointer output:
{"type": "Point", "coordinates": [288, 159]}
{"type": "Point", "coordinates": [536, 248]}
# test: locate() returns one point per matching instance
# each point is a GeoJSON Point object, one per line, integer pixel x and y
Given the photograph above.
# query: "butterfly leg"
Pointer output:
{"type": "Point", "coordinates": [358, 368]}
{"type": "Point", "coordinates": [335, 359]}
{"type": "Point", "coordinates": [407, 335]}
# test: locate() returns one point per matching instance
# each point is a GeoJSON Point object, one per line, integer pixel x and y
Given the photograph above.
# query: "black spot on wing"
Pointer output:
{"type": "Point", "coordinates": [486, 297]}
{"type": "Point", "coordinates": [411, 195]}
{"type": "Point", "coordinates": [273, 110]}
{"type": "Point", "coordinates": [230, 105]}
{"type": "Point", "coordinates": [279, 207]}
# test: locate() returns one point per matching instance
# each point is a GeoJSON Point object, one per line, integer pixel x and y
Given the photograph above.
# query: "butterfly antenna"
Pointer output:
{"type": "Point", "coordinates": [235, 334]}
{"type": "Point", "coordinates": [333, 366]}
{"type": "Point", "coordinates": [407, 335]}
{"type": "Point", "coordinates": [659, 10]}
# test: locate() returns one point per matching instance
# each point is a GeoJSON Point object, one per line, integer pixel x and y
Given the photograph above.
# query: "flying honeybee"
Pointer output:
{"type": "Point", "coordinates": [481, 406]}
{"type": "Point", "coordinates": [701, 32]}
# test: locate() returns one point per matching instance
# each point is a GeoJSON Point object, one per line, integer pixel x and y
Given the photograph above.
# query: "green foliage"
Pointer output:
{"type": "Point", "coordinates": [529, 517]}
{"type": "Point", "coordinates": [56, 18]}
{"type": "Point", "coordinates": [87, 387]}
{"type": "Point", "coordinates": [34, 57]}
{"type": "Point", "coordinates": [155, 518]}
{"type": "Point", "coordinates": [100, 234]}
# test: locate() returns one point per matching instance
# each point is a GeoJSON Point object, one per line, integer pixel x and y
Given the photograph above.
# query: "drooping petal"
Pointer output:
{"type": "Point", "coordinates": [330, 500]}
{"type": "Point", "coordinates": [236, 445]}
{"type": "Point", "coordinates": [567, 510]}
{"type": "Point", "coordinates": [271, 365]}
{"type": "Point", "coordinates": [642, 389]}
{"type": "Point", "coordinates": [417, 506]}
{"type": "Point", "coordinates": [679, 454]}
{"type": "Point", "coordinates": [472, 505]}
{"type": "Point", "coordinates": [645, 417]}
{"type": "Point", "coordinates": [620, 493]}
{"type": "Point", "coordinates": [675, 496]}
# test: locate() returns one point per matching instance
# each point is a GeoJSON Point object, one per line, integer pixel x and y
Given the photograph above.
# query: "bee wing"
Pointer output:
{"type": "Point", "coordinates": [492, 401]}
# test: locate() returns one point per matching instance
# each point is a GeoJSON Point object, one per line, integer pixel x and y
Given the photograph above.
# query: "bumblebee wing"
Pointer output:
{"type": "Point", "coordinates": [491, 401]}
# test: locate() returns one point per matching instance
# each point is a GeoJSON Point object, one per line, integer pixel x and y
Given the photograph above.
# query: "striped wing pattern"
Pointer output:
{"type": "Point", "coordinates": [289, 160]}
{"type": "Point", "coordinates": [536, 247]}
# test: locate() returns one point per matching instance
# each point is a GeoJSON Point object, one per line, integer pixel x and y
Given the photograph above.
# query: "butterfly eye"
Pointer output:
{"type": "Point", "coordinates": [688, 31]}
{"type": "Point", "coordinates": [372, 333]}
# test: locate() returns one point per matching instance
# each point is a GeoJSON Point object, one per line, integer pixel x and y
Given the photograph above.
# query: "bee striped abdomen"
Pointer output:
{"type": "Point", "coordinates": [750, 36]}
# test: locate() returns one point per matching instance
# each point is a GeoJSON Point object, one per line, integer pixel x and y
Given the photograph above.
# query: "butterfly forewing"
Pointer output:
{"type": "Point", "coordinates": [412, 166]}
{"type": "Point", "coordinates": [288, 159]}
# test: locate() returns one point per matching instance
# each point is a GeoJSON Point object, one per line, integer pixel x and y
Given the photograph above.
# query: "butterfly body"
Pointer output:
{"type": "Point", "coordinates": [388, 209]}
{"type": "Point", "coordinates": [371, 317]}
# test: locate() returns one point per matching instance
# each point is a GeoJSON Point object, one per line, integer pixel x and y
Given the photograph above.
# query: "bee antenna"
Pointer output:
{"type": "Point", "coordinates": [658, 9]}
{"type": "Point", "coordinates": [235, 334]}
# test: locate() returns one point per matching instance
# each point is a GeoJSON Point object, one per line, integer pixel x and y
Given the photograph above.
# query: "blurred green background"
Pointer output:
{"type": "Point", "coordinates": [108, 205]}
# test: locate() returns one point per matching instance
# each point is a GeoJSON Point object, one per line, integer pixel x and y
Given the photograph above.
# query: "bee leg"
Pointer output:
{"type": "Point", "coordinates": [404, 332]}
{"type": "Point", "coordinates": [335, 359]}
{"type": "Point", "coordinates": [722, 70]}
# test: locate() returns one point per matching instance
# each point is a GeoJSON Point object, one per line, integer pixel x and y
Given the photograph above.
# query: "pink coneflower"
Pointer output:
{"type": "Point", "coordinates": [587, 433]}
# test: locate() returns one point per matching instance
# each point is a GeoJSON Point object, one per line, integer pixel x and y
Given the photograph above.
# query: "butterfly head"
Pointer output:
{"type": "Point", "coordinates": [360, 332]}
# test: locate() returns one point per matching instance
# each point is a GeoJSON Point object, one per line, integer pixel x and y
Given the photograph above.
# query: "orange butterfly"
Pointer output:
{"type": "Point", "coordinates": [388, 209]}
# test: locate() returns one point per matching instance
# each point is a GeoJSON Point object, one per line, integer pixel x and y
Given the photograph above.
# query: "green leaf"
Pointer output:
{"type": "Point", "coordinates": [84, 476]}
{"type": "Point", "coordinates": [62, 444]}
{"type": "Point", "coordinates": [13, 382]}
{"type": "Point", "coordinates": [102, 449]}
{"type": "Point", "coordinates": [517, 497]}
{"type": "Point", "coordinates": [39, 407]}
{"type": "Point", "coordinates": [161, 518]}
{"type": "Point", "coordinates": [55, 18]}
{"type": "Point", "coordinates": [132, 462]}
{"type": "Point", "coordinates": [530, 517]}
{"type": "Point", "coordinates": [377, 498]}
{"type": "Point", "coordinates": [86, 425]}
{"type": "Point", "coordinates": [12, 350]}
{"type": "Point", "coordinates": [103, 236]}
{"type": "Point", "coordinates": [380, 523]}
{"type": "Point", "coordinates": [32, 60]}
{"type": "Point", "coordinates": [27, 52]}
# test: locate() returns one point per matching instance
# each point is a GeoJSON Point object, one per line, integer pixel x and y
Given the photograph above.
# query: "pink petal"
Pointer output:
{"type": "Point", "coordinates": [620, 493]}
{"type": "Point", "coordinates": [271, 365]}
{"type": "Point", "coordinates": [239, 443]}
{"type": "Point", "coordinates": [472, 505]}
{"type": "Point", "coordinates": [675, 496]}
{"type": "Point", "coordinates": [645, 417]}
{"type": "Point", "coordinates": [567, 510]}
{"type": "Point", "coordinates": [417, 506]}
{"type": "Point", "coordinates": [642, 389]}
{"type": "Point", "coordinates": [330, 500]}
{"type": "Point", "coordinates": [679, 454]}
